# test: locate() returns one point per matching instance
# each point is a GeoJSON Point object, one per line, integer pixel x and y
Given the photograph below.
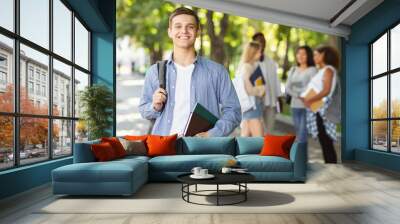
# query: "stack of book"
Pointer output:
{"type": "Point", "coordinates": [200, 120]}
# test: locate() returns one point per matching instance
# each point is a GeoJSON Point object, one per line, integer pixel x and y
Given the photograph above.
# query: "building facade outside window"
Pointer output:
{"type": "Point", "coordinates": [56, 129]}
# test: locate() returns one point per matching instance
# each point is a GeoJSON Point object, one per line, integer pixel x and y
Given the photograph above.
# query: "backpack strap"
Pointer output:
{"type": "Point", "coordinates": [162, 68]}
{"type": "Point", "coordinates": [162, 76]}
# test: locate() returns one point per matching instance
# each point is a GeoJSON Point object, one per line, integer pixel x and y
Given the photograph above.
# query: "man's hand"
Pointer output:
{"type": "Point", "coordinates": [203, 134]}
{"type": "Point", "coordinates": [159, 98]}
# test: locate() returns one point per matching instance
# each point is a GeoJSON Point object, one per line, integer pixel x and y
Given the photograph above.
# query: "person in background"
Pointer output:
{"type": "Point", "coordinates": [250, 95]}
{"type": "Point", "coordinates": [298, 79]}
{"type": "Point", "coordinates": [272, 87]}
{"type": "Point", "coordinates": [324, 84]}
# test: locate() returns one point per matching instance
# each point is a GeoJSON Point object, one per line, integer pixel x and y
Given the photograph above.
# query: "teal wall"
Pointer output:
{"type": "Point", "coordinates": [356, 73]}
{"type": "Point", "coordinates": [104, 54]}
{"type": "Point", "coordinates": [99, 16]}
{"type": "Point", "coordinates": [24, 178]}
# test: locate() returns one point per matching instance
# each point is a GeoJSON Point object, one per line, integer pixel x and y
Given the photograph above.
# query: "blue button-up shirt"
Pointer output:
{"type": "Point", "coordinates": [211, 86]}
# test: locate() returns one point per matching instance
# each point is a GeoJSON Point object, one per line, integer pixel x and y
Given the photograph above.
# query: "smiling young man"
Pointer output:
{"type": "Point", "coordinates": [190, 79]}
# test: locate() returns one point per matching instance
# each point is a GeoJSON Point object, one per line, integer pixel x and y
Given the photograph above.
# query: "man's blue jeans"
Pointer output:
{"type": "Point", "coordinates": [300, 124]}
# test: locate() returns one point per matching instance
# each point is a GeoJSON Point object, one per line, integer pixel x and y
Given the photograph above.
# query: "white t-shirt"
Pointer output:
{"type": "Point", "coordinates": [182, 98]}
{"type": "Point", "coordinates": [317, 83]}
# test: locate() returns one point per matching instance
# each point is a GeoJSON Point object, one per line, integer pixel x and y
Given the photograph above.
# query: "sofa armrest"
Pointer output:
{"type": "Point", "coordinates": [298, 155]}
{"type": "Point", "coordinates": [83, 152]}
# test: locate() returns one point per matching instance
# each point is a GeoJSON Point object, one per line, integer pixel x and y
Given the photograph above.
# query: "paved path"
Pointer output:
{"type": "Point", "coordinates": [129, 89]}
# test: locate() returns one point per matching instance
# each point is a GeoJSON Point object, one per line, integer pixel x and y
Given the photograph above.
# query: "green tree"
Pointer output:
{"type": "Point", "coordinates": [146, 22]}
{"type": "Point", "coordinates": [221, 35]}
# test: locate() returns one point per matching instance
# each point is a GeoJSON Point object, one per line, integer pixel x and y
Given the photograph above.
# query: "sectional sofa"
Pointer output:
{"type": "Point", "coordinates": [125, 176]}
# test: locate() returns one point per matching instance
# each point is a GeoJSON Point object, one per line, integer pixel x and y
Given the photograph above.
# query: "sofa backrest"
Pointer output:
{"type": "Point", "coordinates": [190, 146]}
{"type": "Point", "coordinates": [214, 145]}
{"type": "Point", "coordinates": [249, 145]}
{"type": "Point", "coordinates": [83, 152]}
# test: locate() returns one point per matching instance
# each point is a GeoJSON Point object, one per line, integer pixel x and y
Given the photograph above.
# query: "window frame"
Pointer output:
{"type": "Point", "coordinates": [16, 114]}
{"type": "Point", "coordinates": [388, 74]}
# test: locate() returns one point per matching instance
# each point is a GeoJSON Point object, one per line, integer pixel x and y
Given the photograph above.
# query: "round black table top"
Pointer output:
{"type": "Point", "coordinates": [220, 178]}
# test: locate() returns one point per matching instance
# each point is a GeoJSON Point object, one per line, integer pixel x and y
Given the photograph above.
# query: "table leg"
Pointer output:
{"type": "Point", "coordinates": [188, 189]}
{"type": "Point", "coordinates": [196, 188]}
{"type": "Point", "coordinates": [217, 194]}
{"type": "Point", "coordinates": [245, 193]}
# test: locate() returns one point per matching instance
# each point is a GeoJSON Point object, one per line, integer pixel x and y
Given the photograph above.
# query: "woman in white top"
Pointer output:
{"type": "Point", "coordinates": [250, 96]}
{"type": "Point", "coordinates": [323, 84]}
{"type": "Point", "coordinates": [298, 79]}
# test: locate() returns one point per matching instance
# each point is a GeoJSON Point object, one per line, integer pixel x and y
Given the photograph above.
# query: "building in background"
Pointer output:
{"type": "Point", "coordinates": [34, 80]}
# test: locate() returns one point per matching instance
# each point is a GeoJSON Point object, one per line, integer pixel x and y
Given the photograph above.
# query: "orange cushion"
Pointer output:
{"type": "Point", "coordinates": [161, 145]}
{"type": "Point", "coordinates": [116, 145]}
{"type": "Point", "coordinates": [103, 152]}
{"type": "Point", "coordinates": [136, 138]}
{"type": "Point", "coordinates": [277, 145]}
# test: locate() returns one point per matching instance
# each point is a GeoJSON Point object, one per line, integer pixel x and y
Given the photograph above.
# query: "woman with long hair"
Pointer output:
{"type": "Point", "coordinates": [250, 94]}
{"type": "Point", "coordinates": [321, 87]}
{"type": "Point", "coordinates": [298, 79]}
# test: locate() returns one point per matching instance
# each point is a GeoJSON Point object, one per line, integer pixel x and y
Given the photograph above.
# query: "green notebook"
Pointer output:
{"type": "Point", "coordinates": [200, 120]}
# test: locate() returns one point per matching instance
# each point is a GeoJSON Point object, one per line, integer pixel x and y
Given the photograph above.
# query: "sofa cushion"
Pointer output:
{"type": "Point", "coordinates": [185, 163]}
{"type": "Point", "coordinates": [161, 145]}
{"type": "Point", "coordinates": [257, 163]}
{"type": "Point", "coordinates": [215, 145]}
{"type": "Point", "coordinates": [249, 145]}
{"type": "Point", "coordinates": [134, 147]}
{"type": "Point", "coordinates": [112, 171]}
{"type": "Point", "coordinates": [277, 145]}
{"type": "Point", "coordinates": [103, 152]}
{"type": "Point", "coordinates": [116, 145]}
{"type": "Point", "coordinates": [136, 137]}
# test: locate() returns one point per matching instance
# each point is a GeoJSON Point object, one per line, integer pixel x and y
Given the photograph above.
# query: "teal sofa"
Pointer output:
{"type": "Point", "coordinates": [125, 176]}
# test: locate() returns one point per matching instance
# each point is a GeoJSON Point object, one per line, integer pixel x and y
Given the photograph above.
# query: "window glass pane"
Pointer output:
{"type": "Point", "coordinates": [81, 45]}
{"type": "Point", "coordinates": [35, 21]}
{"type": "Point", "coordinates": [62, 138]}
{"type": "Point", "coordinates": [379, 98]}
{"type": "Point", "coordinates": [81, 131]}
{"type": "Point", "coordinates": [395, 94]}
{"type": "Point", "coordinates": [34, 72]}
{"type": "Point", "coordinates": [7, 14]}
{"type": "Point", "coordinates": [6, 74]}
{"type": "Point", "coordinates": [62, 89]}
{"type": "Point", "coordinates": [62, 29]}
{"type": "Point", "coordinates": [379, 55]}
{"type": "Point", "coordinates": [395, 135]}
{"type": "Point", "coordinates": [395, 47]}
{"type": "Point", "coordinates": [379, 135]}
{"type": "Point", "coordinates": [33, 139]}
{"type": "Point", "coordinates": [6, 142]}
{"type": "Point", "coordinates": [81, 81]}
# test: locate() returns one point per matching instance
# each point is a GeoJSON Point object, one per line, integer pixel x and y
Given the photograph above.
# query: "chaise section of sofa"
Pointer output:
{"type": "Point", "coordinates": [88, 177]}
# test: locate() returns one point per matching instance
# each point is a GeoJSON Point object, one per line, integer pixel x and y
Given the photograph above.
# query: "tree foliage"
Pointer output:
{"type": "Point", "coordinates": [33, 131]}
{"type": "Point", "coordinates": [221, 37]}
{"type": "Point", "coordinates": [380, 127]}
{"type": "Point", "coordinates": [146, 22]}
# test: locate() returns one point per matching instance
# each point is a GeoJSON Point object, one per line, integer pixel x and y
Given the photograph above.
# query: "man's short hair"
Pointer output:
{"type": "Point", "coordinates": [184, 11]}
